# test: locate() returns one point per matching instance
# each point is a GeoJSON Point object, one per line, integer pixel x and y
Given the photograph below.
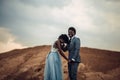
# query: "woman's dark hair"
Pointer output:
{"type": "Point", "coordinates": [64, 37]}
{"type": "Point", "coordinates": [73, 29]}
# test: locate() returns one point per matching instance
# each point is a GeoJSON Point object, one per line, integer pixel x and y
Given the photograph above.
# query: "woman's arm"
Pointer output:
{"type": "Point", "coordinates": [60, 50]}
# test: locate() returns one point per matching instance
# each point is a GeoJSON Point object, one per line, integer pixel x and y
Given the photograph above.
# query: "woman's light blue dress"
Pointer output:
{"type": "Point", "coordinates": [53, 66]}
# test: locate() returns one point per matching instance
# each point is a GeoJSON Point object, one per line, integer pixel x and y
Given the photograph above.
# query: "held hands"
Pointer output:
{"type": "Point", "coordinates": [69, 61]}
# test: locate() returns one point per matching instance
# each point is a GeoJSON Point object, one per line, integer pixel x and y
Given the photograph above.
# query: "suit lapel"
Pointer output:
{"type": "Point", "coordinates": [71, 43]}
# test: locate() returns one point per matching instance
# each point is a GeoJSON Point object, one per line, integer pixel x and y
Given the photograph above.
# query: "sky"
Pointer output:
{"type": "Point", "coordinates": [29, 23]}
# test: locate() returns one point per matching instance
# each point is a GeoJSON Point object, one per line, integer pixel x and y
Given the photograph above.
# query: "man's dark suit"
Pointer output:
{"type": "Point", "coordinates": [74, 56]}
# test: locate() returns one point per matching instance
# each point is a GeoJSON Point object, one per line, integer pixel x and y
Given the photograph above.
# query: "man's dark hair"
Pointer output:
{"type": "Point", "coordinates": [73, 29]}
{"type": "Point", "coordinates": [64, 37]}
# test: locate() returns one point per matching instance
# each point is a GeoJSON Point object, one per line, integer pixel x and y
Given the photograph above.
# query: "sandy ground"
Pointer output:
{"type": "Point", "coordinates": [28, 64]}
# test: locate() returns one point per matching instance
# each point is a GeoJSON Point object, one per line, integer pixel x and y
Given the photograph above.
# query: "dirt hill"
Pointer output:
{"type": "Point", "coordinates": [28, 64]}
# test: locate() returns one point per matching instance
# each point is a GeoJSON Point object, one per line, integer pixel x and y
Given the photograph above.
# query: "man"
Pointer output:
{"type": "Point", "coordinates": [74, 53]}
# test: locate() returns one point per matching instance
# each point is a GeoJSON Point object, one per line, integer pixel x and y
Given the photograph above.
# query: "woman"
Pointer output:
{"type": "Point", "coordinates": [53, 67]}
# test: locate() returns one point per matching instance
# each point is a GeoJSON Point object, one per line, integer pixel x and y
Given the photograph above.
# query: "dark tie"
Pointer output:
{"type": "Point", "coordinates": [70, 40]}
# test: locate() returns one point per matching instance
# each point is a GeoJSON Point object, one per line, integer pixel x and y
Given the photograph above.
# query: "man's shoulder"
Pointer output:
{"type": "Point", "coordinates": [76, 37]}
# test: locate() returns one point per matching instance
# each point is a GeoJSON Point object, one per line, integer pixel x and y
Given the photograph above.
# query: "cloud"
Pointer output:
{"type": "Point", "coordinates": [39, 22]}
{"type": "Point", "coordinates": [7, 41]}
{"type": "Point", "coordinates": [113, 1]}
{"type": "Point", "coordinates": [50, 3]}
{"type": "Point", "coordinates": [29, 22]}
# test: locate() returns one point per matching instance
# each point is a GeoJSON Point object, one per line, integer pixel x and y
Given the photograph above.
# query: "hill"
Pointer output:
{"type": "Point", "coordinates": [28, 64]}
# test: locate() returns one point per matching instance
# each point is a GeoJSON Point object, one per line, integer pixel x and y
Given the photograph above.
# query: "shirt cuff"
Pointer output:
{"type": "Point", "coordinates": [73, 59]}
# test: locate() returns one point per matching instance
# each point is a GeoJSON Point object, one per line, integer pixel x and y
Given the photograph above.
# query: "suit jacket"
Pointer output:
{"type": "Point", "coordinates": [74, 49]}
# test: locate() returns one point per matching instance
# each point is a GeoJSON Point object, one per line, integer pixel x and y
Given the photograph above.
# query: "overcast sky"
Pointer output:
{"type": "Point", "coordinates": [28, 23]}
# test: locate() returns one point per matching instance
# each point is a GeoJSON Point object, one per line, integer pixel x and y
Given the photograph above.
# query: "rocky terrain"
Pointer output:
{"type": "Point", "coordinates": [28, 64]}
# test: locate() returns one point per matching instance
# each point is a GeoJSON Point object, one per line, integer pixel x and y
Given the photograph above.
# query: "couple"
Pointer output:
{"type": "Point", "coordinates": [53, 66]}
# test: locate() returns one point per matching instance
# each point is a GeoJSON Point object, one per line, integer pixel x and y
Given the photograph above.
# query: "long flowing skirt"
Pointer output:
{"type": "Point", "coordinates": [53, 67]}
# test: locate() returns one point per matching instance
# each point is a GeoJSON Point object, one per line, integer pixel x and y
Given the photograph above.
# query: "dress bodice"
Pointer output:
{"type": "Point", "coordinates": [53, 49]}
